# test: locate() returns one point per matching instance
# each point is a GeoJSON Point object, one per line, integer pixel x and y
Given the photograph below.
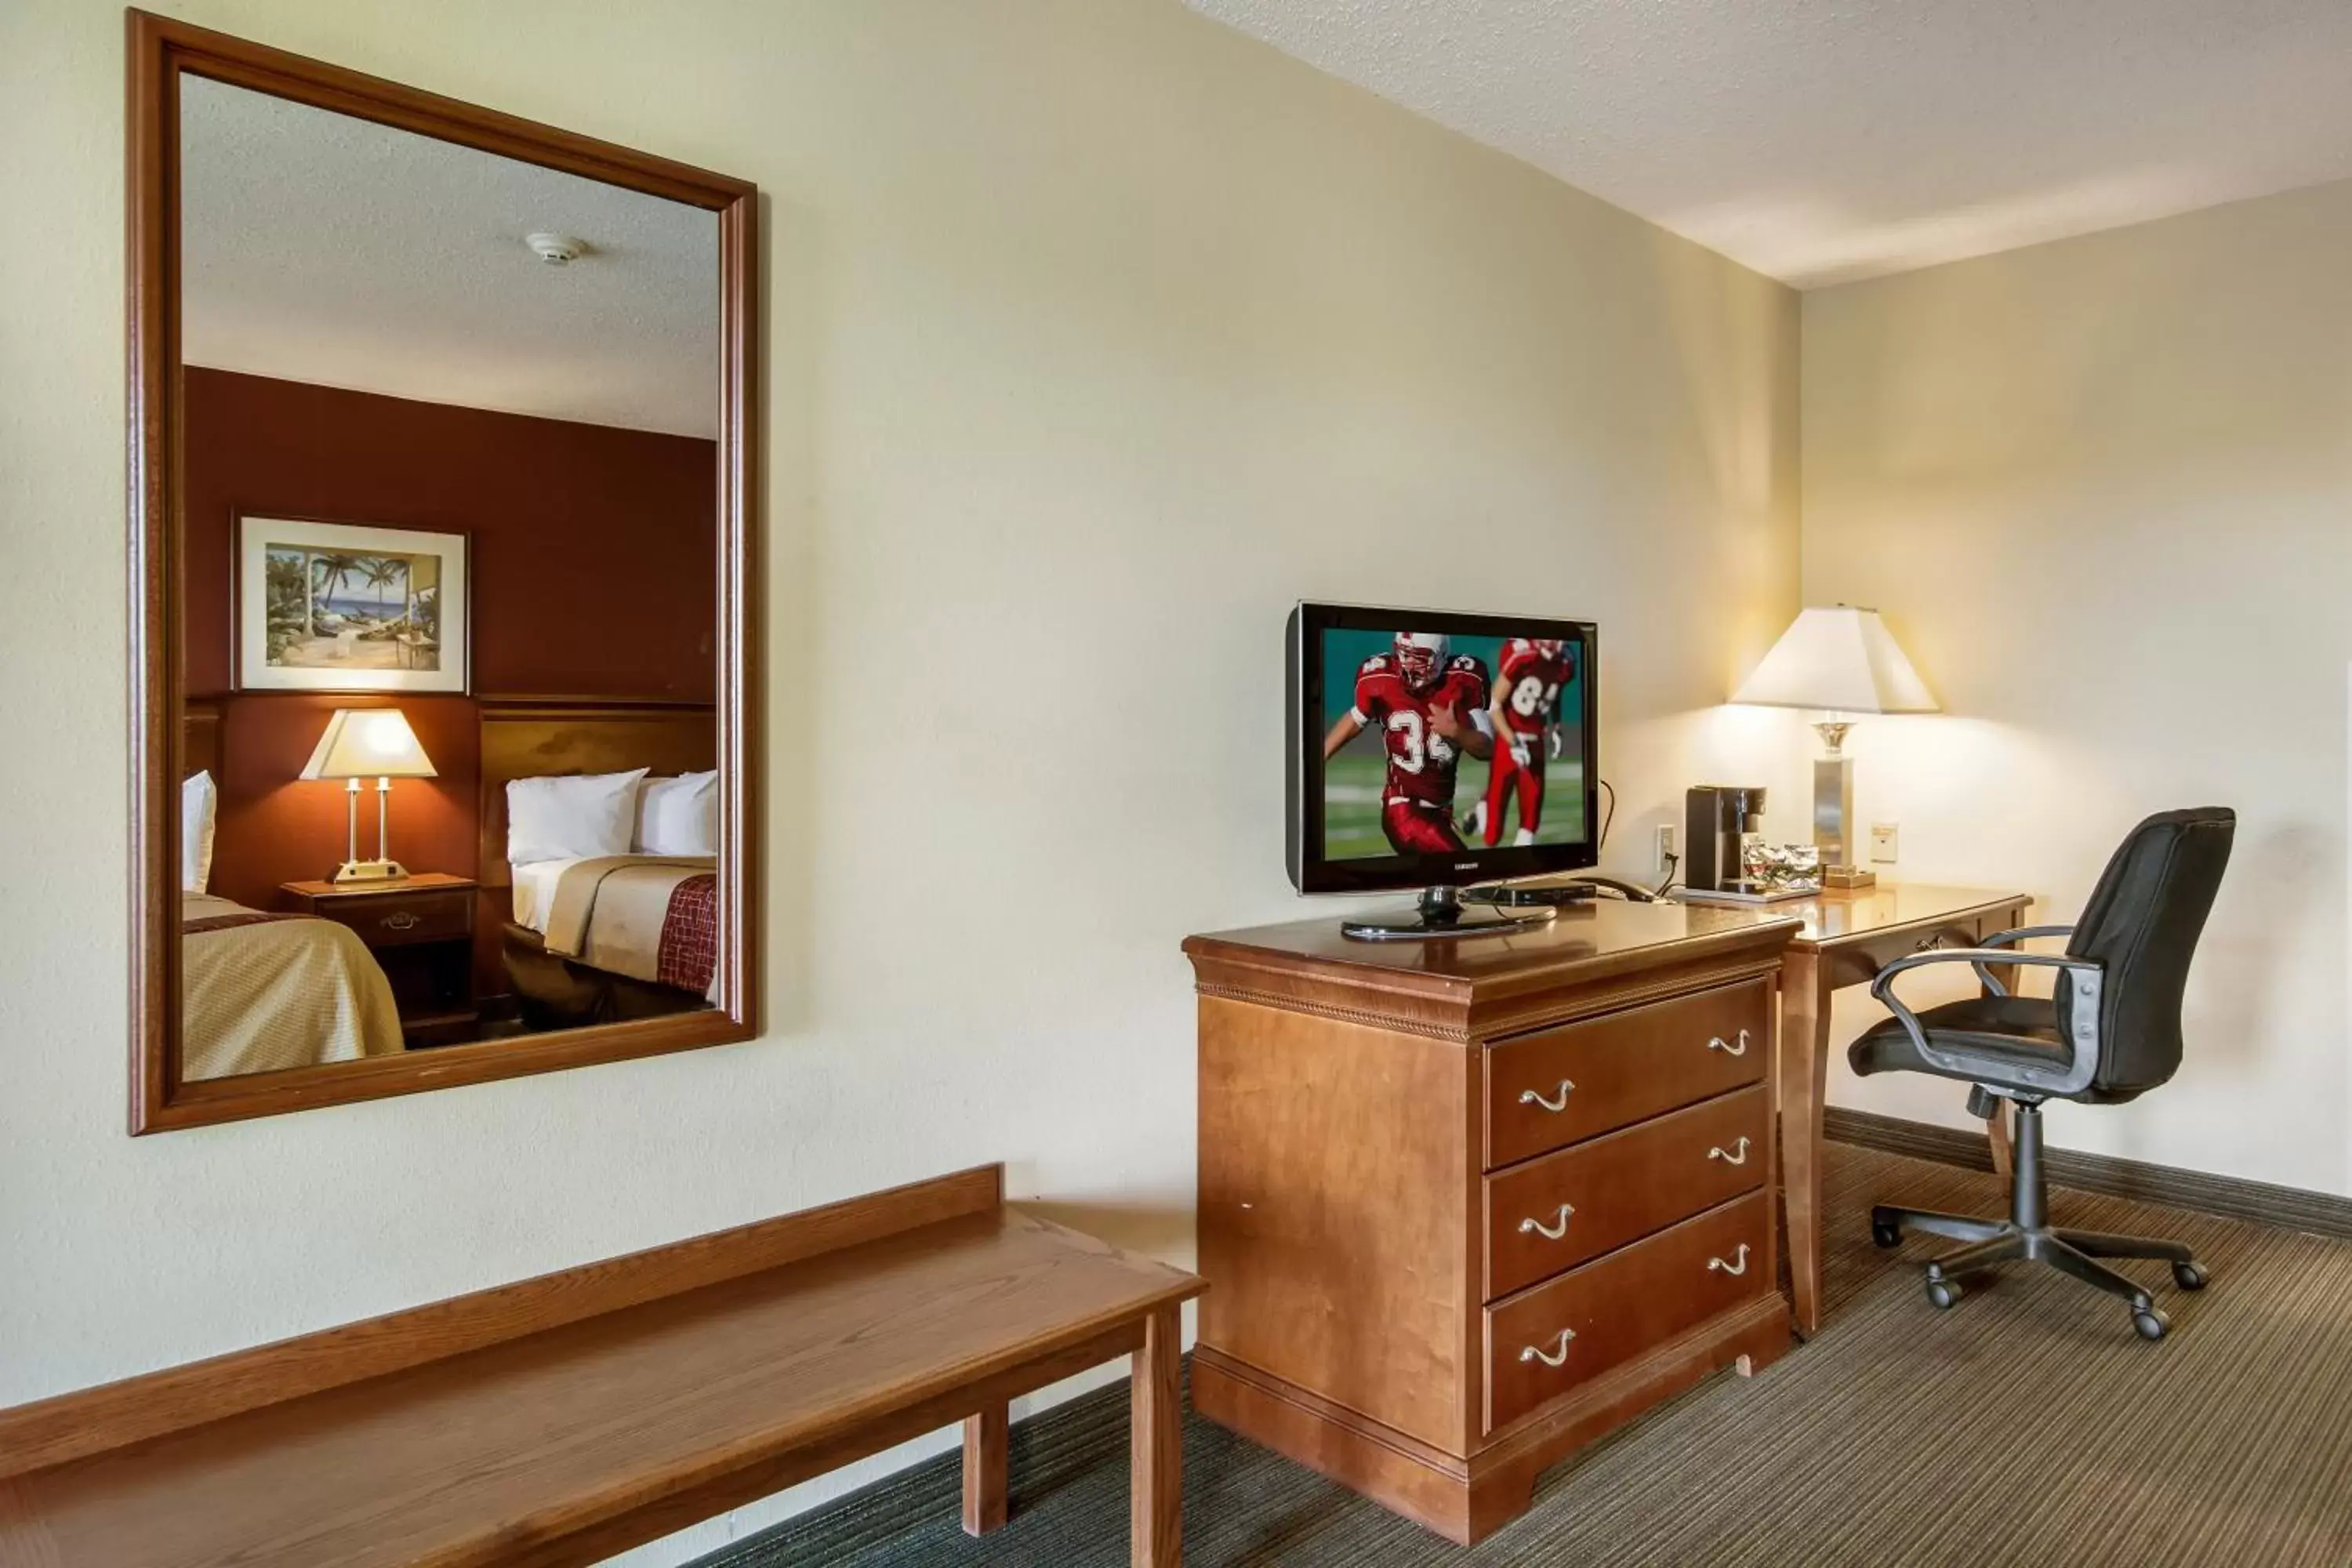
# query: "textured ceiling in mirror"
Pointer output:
{"type": "Point", "coordinates": [322, 248]}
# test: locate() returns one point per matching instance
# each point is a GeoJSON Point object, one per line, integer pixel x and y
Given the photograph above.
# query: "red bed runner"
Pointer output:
{"type": "Point", "coordinates": [689, 939]}
{"type": "Point", "coordinates": [230, 922]}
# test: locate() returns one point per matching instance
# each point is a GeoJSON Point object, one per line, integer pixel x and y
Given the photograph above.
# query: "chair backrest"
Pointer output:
{"type": "Point", "coordinates": [2141, 924]}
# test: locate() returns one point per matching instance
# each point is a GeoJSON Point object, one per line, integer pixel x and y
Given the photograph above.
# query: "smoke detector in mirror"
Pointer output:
{"type": "Point", "coordinates": [556, 249]}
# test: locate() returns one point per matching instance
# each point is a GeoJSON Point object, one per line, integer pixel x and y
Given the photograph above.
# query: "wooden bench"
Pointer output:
{"type": "Point", "coordinates": [566, 1418]}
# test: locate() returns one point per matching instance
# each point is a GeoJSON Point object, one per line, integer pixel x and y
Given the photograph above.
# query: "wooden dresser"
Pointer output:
{"type": "Point", "coordinates": [1466, 1205]}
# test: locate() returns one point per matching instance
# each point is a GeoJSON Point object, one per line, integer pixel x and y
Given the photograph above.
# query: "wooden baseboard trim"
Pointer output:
{"type": "Point", "coordinates": [2232, 1197]}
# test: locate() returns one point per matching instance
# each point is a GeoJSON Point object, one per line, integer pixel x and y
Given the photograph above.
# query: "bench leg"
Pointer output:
{"type": "Point", "coordinates": [984, 1470]}
{"type": "Point", "coordinates": [1156, 1452]}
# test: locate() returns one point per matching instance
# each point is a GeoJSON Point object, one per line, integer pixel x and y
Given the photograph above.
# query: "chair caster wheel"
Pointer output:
{"type": "Point", "coordinates": [2150, 1322]}
{"type": "Point", "coordinates": [2188, 1276]}
{"type": "Point", "coordinates": [1884, 1231]}
{"type": "Point", "coordinates": [1943, 1293]}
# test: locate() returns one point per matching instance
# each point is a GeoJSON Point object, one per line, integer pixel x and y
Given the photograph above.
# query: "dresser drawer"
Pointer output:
{"type": "Point", "coordinates": [395, 919]}
{"type": "Point", "coordinates": [1622, 1304]}
{"type": "Point", "coordinates": [1548, 1089]}
{"type": "Point", "coordinates": [1607, 1191]}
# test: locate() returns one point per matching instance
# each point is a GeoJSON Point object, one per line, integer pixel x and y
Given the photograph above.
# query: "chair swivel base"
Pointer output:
{"type": "Point", "coordinates": [2076, 1253]}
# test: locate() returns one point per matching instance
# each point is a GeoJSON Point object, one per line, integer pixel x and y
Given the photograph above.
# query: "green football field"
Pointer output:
{"type": "Point", "coordinates": [1351, 802]}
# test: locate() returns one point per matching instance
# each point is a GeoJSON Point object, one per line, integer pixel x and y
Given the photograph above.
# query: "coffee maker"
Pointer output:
{"type": "Point", "coordinates": [1717, 822]}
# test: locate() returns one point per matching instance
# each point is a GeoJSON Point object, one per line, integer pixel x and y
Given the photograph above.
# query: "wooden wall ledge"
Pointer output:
{"type": "Point", "coordinates": [570, 1416]}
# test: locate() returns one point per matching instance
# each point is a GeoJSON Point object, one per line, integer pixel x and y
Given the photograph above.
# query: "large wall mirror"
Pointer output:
{"type": "Point", "coordinates": [440, 519]}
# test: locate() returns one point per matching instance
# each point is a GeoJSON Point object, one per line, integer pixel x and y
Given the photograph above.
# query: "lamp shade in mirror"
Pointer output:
{"type": "Point", "coordinates": [370, 743]}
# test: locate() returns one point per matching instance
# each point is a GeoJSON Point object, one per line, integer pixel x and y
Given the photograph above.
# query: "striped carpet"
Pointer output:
{"type": "Point", "coordinates": [2027, 1426]}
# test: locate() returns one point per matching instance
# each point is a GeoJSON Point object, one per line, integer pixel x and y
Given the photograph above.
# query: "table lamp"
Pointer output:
{"type": "Point", "coordinates": [368, 742]}
{"type": "Point", "coordinates": [1844, 661]}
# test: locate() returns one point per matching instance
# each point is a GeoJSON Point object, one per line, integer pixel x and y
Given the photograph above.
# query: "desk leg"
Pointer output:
{"type": "Point", "coordinates": [1155, 1447]}
{"type": "Point", "coordinates": [984, 1440]}
{"type": "Point", "coordinates": [1804, 1076]}
{"type": "Point", "coordinates": [1997, 1134]}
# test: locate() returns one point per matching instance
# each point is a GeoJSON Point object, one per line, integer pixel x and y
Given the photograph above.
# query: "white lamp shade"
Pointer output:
{"type": "Point", "coordinates": [1843, 659]}
{"type": "Point", "coordinates": [368, 743]}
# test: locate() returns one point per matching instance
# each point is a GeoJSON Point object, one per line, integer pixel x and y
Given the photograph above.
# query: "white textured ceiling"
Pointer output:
{"type": "Point", "coordinates": [322, 248]}
{"type": "Point", "coordinates": [1821, 140]}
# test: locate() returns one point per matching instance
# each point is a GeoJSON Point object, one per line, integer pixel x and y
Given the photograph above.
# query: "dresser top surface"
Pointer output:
{"type": "Point", "coordinates": [1605, 930]}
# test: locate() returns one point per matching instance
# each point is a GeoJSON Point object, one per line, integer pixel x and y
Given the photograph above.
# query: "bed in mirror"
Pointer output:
{"type": "Point", "coordinates": [443, 611]}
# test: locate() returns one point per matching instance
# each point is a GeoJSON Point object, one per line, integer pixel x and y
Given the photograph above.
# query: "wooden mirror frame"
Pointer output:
{"type": "Point", "coordinates": [161, 52]}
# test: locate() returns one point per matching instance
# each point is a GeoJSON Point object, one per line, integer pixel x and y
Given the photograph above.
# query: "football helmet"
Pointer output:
{"type": "Point", "coordinates": [1421, 657]}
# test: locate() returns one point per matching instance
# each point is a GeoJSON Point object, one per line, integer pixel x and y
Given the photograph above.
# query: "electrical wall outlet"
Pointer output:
{"type": "Point", "coordinates": [1664, 854]}
{"type": "Point", "coordinates": [1886, 838]}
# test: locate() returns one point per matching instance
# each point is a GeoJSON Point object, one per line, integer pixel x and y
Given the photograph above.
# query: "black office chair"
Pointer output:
{"type": "Point", "coordinates": [2110, 1033]}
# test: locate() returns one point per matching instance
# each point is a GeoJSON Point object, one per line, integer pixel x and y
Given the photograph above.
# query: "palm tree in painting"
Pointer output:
{"type": "Point", "coordinates": [381, 572]}
{"type": "Point", "coordinates": [330, 570]}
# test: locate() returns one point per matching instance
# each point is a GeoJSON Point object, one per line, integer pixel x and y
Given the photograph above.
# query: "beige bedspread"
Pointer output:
{"type": "Point", "coordinates": [259, 995]}
{"type": "Point", "coordinates": [608, 911]}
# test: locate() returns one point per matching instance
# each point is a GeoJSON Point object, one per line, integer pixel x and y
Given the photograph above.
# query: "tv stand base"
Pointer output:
{"type": "Point", "coordinates": [1440, 915]}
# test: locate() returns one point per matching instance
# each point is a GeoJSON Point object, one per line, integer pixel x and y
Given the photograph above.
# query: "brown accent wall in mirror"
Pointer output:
{"type": "Point", "coordinates": [393, 462]}
{"type": "Point", "coordinates": [623, 607]}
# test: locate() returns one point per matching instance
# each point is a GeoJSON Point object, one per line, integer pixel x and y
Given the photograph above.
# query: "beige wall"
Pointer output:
{"type": "Point", "coordinates": [2103, 491]}
{"type": "Point", "coordinates": [1096, 335]}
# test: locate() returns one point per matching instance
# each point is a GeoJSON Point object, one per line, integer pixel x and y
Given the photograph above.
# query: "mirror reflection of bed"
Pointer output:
{"type": "Point", "coordinates": [452, 442]}
{"type": "Point", "coordinates": [589, 932]}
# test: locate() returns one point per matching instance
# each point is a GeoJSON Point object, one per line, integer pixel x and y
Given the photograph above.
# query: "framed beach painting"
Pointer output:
{"type": "Point", "coordinates": [331, 606]}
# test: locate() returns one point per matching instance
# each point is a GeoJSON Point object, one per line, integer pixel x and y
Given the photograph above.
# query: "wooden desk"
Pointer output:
{"type": "Point", "coordinates": [1847, 937]}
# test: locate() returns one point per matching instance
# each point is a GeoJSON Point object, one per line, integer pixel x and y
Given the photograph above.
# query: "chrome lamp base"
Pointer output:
{"type": "Point", "coordinates": [384, 867]}
{"type": "Point", "coordinates": [1833, 811]}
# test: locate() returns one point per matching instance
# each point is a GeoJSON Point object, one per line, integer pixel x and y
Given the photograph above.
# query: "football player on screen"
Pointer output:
{"type": "Point", "coordinates": [1430, 709]}
{"type": "Point", "coordinates": [1526, 723]}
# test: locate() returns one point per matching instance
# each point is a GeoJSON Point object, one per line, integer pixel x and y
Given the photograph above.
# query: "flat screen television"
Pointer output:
{"type": "Point", "coordinates": [1432, 750]}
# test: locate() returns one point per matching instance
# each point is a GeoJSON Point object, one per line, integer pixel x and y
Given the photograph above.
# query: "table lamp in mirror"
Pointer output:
{"type": "Point", "coordinates": [368, 742]}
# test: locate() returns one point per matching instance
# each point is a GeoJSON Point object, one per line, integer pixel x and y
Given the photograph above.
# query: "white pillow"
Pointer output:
{"type": "Point", "coordinates": [570, 816]}
{"type": "Point", "coordinates": [199, 804]}
{"type": "Point", "coordinates": [679, 816]}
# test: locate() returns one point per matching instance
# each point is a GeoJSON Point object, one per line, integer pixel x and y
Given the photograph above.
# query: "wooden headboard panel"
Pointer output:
{"type": "Point", "coordinates": [530, 738]}
{"type": "Point", "coordinates": [200, 738]}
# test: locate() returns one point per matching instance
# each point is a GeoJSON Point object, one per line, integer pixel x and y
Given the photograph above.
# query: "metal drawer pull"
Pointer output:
{"type": "Point", "coordinates": [1736, 1159]}
{"type": "Point", "coordinates": [1720, 1044]}
{"type": "Point", "coordinates": [1529, 1097]}
{"type": "Point", "coordinates": [1738, 1268]}
{"type": "Point", "coordinates": [400, 920]}
{"type": "Point", "coordinates": [1552, 1358]}
{"type": "Point", "coordinates": [1548, 1231]}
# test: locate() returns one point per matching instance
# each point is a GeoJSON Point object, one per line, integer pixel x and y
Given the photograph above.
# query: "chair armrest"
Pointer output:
{"type": "Point", "coordinates": [2002, 939]}
{"type": "Point", "coordinates": [2084, 1040]}
{"type": "Point", "coordinates": [2023, 933]}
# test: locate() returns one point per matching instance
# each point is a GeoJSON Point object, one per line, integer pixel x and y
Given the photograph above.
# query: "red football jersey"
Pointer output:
{"type": "Point", "coordinates": [1421, 760]}
{"type": "Point", "coordinates": [1531, 679]}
